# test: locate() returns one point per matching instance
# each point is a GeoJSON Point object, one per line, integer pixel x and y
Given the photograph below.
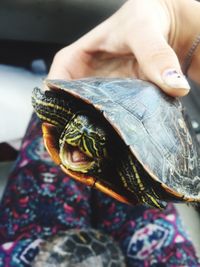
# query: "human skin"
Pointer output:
{"type": "Point", "coordinates": [144, 39]}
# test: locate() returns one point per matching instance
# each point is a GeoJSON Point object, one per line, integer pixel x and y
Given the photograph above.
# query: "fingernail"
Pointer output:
{"type": "Point", "coordinates": [174, 79]}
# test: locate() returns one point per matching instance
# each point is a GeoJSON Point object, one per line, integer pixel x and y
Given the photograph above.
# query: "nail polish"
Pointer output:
{"type": "Point", "coordinates": [174, 79]}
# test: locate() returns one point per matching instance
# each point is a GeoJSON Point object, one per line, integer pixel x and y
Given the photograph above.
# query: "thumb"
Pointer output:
{"type": "Point", "coordinates": [159, 63]}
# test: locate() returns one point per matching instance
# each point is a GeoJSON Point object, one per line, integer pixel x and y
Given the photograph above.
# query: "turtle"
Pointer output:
{"type": "Point", "coordinates": [122, 136]}
{"type": "Point", "coordinates": [79, 248]}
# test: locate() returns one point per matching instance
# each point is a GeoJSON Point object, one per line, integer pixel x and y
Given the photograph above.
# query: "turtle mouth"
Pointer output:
{"type": "Point", "coordinates": [74, 159]}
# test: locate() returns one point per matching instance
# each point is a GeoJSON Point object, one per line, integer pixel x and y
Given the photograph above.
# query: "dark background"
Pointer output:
{"type": "Point", "coordinates": [38, 28]}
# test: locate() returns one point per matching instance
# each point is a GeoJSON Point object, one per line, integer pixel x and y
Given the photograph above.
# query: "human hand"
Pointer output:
{"type": "Point", "coordinates": [144, 39]}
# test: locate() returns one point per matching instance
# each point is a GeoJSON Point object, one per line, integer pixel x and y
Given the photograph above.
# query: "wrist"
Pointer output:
{"type": "Point", "coordinates": [187, 14]}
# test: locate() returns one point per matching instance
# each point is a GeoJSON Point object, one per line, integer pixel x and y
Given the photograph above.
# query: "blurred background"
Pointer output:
{"type": "Point", "coordinates": [31, 32]}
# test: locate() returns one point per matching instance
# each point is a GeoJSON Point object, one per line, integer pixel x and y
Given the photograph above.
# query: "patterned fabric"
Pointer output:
{"type": "Point", "coordinates": [148, 237]}
{"type": "Point", "coordinates": [19, 253]}
{"type": "Point", "coordinates": [41, 200]}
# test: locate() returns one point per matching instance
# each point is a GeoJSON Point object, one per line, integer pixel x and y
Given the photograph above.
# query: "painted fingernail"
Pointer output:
{"type": "Point", "coordinates": [174, 79]}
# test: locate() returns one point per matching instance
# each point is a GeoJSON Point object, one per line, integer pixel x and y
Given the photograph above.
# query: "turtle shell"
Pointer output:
{"type": "Point", "coordinates": [151, 124]}
{"type": "Point", "coordinates": [79, 248]}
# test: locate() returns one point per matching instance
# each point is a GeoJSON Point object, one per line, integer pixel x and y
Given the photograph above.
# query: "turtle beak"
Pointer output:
{"type": "Point", "coordinates": [77, 156]}
{"type": "Point", "coordinates": [74, 159]}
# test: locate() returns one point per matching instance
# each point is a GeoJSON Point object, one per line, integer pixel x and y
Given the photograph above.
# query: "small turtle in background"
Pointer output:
{"type": "Point", "coordinates": [79, 248]}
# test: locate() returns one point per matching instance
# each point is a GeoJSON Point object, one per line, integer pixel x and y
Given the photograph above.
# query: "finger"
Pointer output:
{"type": "Point", "coordinates": [69, 62]}
{"type": "Point", "coordinates": [158, 61]}
{"type": "Point", "coordinates": [59, 67]}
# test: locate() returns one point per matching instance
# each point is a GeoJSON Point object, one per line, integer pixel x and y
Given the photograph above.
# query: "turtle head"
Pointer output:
{"type": "Point", "coordinates": [83, 145]}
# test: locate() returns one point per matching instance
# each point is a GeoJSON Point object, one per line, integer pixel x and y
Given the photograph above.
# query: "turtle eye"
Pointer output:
{"type": "Point", "coordinates": [80, 132]}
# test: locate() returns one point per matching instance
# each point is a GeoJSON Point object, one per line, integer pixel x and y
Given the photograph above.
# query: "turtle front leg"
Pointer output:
{"type": "Point", "coordinates": [135, 181]}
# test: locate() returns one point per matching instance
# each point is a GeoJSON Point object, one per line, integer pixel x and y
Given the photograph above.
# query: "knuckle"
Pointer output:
{"type": "Point", "coordinates": [60, 54]}
{"type": "Point", "coordinates": [160, 53]}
